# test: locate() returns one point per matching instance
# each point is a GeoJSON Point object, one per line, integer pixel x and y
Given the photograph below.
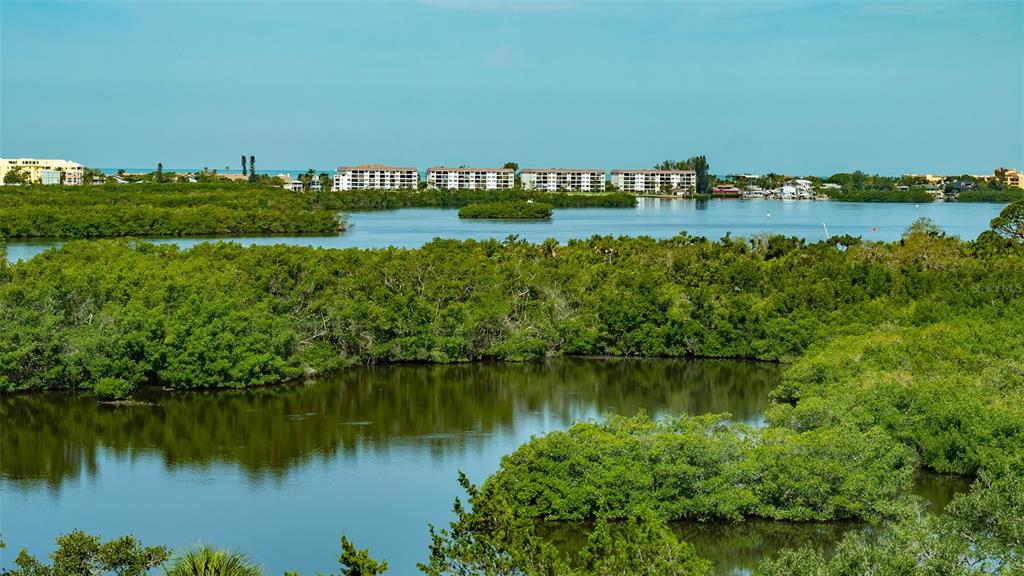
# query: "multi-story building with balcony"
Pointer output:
{"type": "Point", "coordinates": [569, 179]}
{"type": "Point", "coordinates": [43, 171]}
{"type": "Point", "coordinates": [655, 181]}
{"type": "Point", "coordinates": [375, 176]}
{"type": "Point", "coordinates": [1012, 178]}
{"type": "Point", "coordinates": [74, 175]}
{"type": "Point", "coordinates": [471, 178]}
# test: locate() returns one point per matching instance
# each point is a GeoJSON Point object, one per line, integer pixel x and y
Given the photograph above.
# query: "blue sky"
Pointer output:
{"type": "Point", "coordinates": [798, 88]}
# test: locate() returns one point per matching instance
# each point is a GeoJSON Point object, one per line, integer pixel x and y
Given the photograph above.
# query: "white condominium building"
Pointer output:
{"type": "Point", "coordinates": [43, 171]}
{"type": "Point", "coordinates": [655, 181]}
{"type": "Point", "coordinates": [554, 179]}
{"type": "Point", "coordinates": [375, 176]}
{"type": "Point", "coordinates": [471, 178]}
{"type": "Point", "coordinates": [74, 176]}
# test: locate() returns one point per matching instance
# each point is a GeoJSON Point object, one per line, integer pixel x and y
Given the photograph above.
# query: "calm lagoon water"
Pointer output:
{"type": "Point", "coordinates": [279, 473]}
{"type": "Point", "coordinates": [660, 218]}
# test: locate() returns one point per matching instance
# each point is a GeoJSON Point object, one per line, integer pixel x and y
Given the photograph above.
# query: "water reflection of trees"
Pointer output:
{"type": "Point", "coordinates": [733, 548]}
{"type": "Point", "coordinates": [737, 548]}
{"type": "Point", "coordinates": [51, 437]}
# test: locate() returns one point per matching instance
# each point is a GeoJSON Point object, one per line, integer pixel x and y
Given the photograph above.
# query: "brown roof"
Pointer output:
{"type": "Point", "coordinates": [374, 167]}
{"type": "Point", "coordinates": [464, 169]}
{"type": "Point", "coordinates": [654, 172]}
{"type": "Point", "coordinates": [572, 170]}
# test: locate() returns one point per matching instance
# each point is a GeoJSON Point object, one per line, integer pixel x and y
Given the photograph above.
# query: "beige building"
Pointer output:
{"type": "Point", "coordinates": [555, 179]}
{"type": "Point", "coordinates": [655, 181]}
{"type": "Point", "coordinates": [928, 178]}
{"type": "Point", "coordinates": [375, 176]}
{"type": "Point", "coordinates": [471, 178]}
{"type": "Point", "coordinates": [43, 171]}
{"type": "Point", "coordinates": [1014, 178]}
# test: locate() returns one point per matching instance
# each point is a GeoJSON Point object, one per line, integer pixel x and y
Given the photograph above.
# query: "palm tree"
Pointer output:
{"type": "Point", "coordinates": [243, 165]}
{"type": "Point", "coordinates": [206, 561]}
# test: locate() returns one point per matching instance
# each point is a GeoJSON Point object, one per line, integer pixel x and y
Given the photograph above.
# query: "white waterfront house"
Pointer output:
{"type": "Point", "coordinates": [471, 178]}
{"type": "Point", "coordinates": [290, 183]}
{"type": "Point", "coordinates": [44, 171]}
{"type": "Point", "coordinates": [797, 189]}
{"type": "Point", "coordinates": [375, 176]}
{"type": "Point", "coordinates": [655, 181]}
{"type": "Point", "coordinates": [555, 179]}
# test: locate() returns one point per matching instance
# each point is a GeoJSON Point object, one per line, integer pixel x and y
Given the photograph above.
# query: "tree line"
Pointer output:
{"type": "Point", "coordinates": [225, 207]}
{"type": "Point", "coordinates": [362, 200]}
{"type": "Point", "coordinates": [147, 209]}
{"type": "Point", "coordinates": [223, 315]}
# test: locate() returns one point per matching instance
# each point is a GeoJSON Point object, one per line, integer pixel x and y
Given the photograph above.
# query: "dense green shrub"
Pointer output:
{"type": "Point", "coordinates": [78, 553]}
{"type": "Point", "coordinates": [980, 533]}
{"type": "Point", "coordinates": [953, 390]}
{"type": "Point", "coordinates": [991, 195]}
{"type": "Point", "coordinates": [880, 195]}
{"type": "Point", "coordinates": [223, 315]}
{"type": "Point", "coordinates": [149, 209]}
{"type": "Point", "coordinates": [109, 388]}
{"type": "Point", "coordinates": [528, 210]}
{"type": "Point", "coordinates": [491, 536]}
{"type": "Point", "coordinates": [706, 468]}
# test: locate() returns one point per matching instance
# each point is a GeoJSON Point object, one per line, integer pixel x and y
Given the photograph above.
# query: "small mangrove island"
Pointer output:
{"type": "Point", "coordinates": [511, 210]}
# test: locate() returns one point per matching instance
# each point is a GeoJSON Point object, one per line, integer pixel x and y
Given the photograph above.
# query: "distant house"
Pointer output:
{"type": "Point", "coordinates": [1013, 178]}
{"type": "Point", "coordinates": [43, 171]}
{"type": "Point", "coordinates": [290, 183]}
{"type": "Point", "coordinates": [961, 185]}
{"type": "Point", "coordinates": [233, 177]}
{"type": "Point", "coordinates": [928, 178]}
{"type": "Point", "coordinates": [831, 186]}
